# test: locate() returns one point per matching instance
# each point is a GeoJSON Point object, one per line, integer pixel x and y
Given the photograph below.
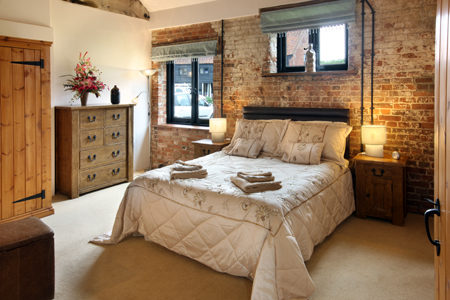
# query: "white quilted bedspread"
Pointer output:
{"type": "Point", "coordinates": [265, 236]}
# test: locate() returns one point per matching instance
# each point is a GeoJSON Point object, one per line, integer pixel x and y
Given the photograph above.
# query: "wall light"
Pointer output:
{"type": "Point", "coordinates": [218, 127]}
{"type": "Point", "coordinates": [148, 72]}
{"type": "Point", "coordinates": [374, 137]}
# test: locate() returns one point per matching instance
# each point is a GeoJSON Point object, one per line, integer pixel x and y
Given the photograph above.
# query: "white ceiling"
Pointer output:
{"type": "Point", "coordinates": [155, 5]}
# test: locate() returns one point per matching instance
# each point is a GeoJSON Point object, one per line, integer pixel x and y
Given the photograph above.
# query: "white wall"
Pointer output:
{"type": "Point", "coordinates": [211, 11]}
{"type": "Point", "coordinates": [29, 19]}
{"type": "Point", "coordinates": [119, 46]}
{"type": "Point", "coordinates": [36, 12]}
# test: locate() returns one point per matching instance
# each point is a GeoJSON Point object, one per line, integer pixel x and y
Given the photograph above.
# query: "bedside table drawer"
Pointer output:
{"type": "Point", "coordinates": [378, 171]}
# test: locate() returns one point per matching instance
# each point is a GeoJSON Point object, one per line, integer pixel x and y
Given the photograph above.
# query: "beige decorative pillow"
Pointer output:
{"type": "Point", "coordinates": [332, 134]}
{"type": "Point", "coordinates": [247, 148]}
{"type": "Point", "coordinates": [304, 153]}
{"type": "Point", "coordinates": [271, 132]}
{"type": "Point", "coordinates": [335, 142]}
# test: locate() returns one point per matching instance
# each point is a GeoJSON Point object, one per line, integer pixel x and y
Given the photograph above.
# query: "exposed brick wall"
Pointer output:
{"type": "Point", "coordinates": [403, 84]}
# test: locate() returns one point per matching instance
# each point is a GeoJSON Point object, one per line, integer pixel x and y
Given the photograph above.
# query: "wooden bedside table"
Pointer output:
{"type": "Point", "coordinates": [206, 146]}
{"type": "Point", "coordinates": [380, 187]}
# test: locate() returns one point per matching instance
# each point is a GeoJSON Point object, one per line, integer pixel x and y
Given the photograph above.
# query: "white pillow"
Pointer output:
{"type": "Point", "coordinates": [332, 134]}
{"type": "Point", "coordinates": [247, 148]}
{"type": "Point", "coordinates": [270, 132]}
{"type": "Point", "coordinates": [303, 153]}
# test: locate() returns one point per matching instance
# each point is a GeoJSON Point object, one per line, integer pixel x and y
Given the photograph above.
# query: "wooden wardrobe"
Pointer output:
{"type": "Point", "coordinates": [25, 132]}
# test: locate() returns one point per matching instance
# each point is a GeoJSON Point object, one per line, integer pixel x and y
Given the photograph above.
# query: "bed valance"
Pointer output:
{"type": "Point", "coordinates": [308, 15]}
{"type": "Point", "coordinates": [195, 49]}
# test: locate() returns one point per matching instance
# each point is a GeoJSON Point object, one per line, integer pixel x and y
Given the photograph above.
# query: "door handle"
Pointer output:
{"type": "Point", "coordinates": [428, 214]}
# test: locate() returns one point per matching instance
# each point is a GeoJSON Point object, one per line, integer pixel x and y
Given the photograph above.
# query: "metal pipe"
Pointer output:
{"type": "Point", "coordinates": [221, 75]}
{"type": "Point", "coordinates": [371, 71]}
{"type": "Point", "coordinates": [362, 68]}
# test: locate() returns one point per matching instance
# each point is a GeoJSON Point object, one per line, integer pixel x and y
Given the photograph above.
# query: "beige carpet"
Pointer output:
{"type": "Point", "coordinates": [363, 259]}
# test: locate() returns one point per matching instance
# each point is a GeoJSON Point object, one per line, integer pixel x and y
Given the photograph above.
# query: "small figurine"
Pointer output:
{"type": "Point", "coordinates": [310, 59]}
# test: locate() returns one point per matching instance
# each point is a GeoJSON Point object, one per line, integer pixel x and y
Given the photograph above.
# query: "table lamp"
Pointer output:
{"type": "Point", "coordinates": [374, 137]}
{"type": "Point", "coordinates": [218, 127]}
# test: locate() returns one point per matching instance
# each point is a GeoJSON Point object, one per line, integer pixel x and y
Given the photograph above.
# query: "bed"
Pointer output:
{"type": "Point", "coordinates": [263, 236]}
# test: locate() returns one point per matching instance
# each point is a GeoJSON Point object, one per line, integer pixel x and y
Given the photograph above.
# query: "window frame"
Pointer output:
{"type": "Point", "coordinates": [170, 96]}
{"type": "Point", "coordinates": [313, 38]}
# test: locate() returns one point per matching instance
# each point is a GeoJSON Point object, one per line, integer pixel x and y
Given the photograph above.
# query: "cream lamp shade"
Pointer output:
{"type": "Point", "coordinates": [373, 137]}
{"type": "Point", "coordinates": [218, 127]}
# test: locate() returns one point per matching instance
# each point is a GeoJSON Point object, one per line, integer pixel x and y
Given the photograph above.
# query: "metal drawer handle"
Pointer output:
{"type": "Point", "coordinates": [374, 172]}
{"type": "Point", "coordinates": [92, 139]}
{"type": "Point", "coordinates": [116, 135]}
{"type": "Point", "coordinates": [115, 171]}
{"type": "Point", "coordinates": [115, 154]}
{"type": "Point", "coordinates": [92, 178]}
{"type": "Point", "coordinates": [92, 158]}
{"type": "Point", "coordinates": [92, 119]}
{"type": "Point", "coordinates": [116, 117]}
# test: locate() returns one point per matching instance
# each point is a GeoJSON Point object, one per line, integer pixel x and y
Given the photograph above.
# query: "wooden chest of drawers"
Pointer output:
{"type": "Point", "coordinates": [94, 147]}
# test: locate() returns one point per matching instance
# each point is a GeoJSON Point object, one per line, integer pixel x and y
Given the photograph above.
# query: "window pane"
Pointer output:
{"type": "Point", "coordinates": [205, 87]}
{"type": "Point", "coordinates": [182, 88]}
{"type": "Point", "coordinates": [296, 42]}
{"type": "Point", "coordinates": [332, 45]}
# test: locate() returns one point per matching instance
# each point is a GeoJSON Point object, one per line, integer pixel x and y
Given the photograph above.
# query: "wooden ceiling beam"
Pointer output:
{"type": "Point", "coordinates": [132, 8]}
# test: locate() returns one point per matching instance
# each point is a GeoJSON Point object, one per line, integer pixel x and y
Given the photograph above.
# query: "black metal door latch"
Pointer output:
{"type": "Point", "coordinates": [433, 211]}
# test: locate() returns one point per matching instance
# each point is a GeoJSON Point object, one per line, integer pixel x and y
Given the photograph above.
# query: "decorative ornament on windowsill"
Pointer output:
{"type": "Point", "coordinates": [86, 80]}
{"type": "Point", "coordinates": [310, 59]}
{"type": "Point", "coordinates": [374, 137]}
{"type": "Point", "coordinates": [218, 127]}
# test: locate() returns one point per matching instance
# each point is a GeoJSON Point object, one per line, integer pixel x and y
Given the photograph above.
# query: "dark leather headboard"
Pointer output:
{"type": "Point", "coordinates": [299, 114]}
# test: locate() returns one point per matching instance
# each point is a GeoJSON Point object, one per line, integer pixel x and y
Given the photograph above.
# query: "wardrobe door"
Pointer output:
{"type": "Point", "coordinates": [20, 132]}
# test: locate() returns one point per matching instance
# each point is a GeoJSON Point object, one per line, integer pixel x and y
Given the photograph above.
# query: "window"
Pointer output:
{"type": "Point", "coordinates": [189, 91]}
{"type": "Point", "coordinates": [330, 44]}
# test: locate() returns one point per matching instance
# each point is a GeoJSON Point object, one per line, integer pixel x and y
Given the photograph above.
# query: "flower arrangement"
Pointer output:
{"type": "Point", "coordinates": [86, 80]}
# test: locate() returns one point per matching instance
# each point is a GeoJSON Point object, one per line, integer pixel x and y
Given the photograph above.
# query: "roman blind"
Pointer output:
{"type": "Point", "coordinates": [196, 49]}
{"type": "Point", "coordinates": [308, 16]}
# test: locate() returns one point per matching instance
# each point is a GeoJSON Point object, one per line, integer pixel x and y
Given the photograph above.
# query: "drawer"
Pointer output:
{"type": "Point", "coordinates": [102, 175]}
{"type": "Point", "coordinates": [115, 117]}
{"type": "Point", "coordinates": [103, 155]}
{"type": "Point", "coordinates": [92, 118]}
{"type": "Point", "coordinates": [91, 138]}
{"type": "Point", "coordinates": [382, 171]}
{"type": "Point", "coordinates": [115, 135]}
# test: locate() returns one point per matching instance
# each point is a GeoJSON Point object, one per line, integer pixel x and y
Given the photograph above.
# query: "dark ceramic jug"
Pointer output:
{"type": "Point", "coordinates": [115, 95]}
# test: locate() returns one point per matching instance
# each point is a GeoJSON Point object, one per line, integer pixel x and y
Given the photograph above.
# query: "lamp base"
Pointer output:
{"type": "Point", "coordinates": [218, 137]}
{"type": "Point", "coordinates": [374, 150]}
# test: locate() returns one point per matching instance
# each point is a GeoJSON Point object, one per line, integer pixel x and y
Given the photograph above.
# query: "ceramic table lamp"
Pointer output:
{"type": "Point", "coordinates": [218, 127]}
{"type": "Point", "coordinates": [374, 137]}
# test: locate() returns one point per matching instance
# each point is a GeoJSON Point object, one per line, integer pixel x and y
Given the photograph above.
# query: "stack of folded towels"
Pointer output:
{"type": "Point", "coordinates": [254, 182]}
{"type": "Point", "coordinates": [183, 170]}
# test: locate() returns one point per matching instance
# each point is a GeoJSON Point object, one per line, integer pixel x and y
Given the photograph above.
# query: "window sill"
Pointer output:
{"type": "Point", "coordinates": [181, 126]}
{"type": "Point", "coordinates": [319, 73]}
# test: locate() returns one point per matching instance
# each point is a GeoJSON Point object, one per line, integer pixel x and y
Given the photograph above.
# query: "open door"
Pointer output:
{"type": "Point", "coordinates": [441, 151]}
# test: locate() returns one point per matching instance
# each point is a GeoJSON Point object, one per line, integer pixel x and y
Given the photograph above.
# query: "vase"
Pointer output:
{"type": "Point", "coordinates": [115, 95]}
{"type": "Point", "coordinates": [310, 59]}
{"type": "Point", "coordinates": [83, 99]}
